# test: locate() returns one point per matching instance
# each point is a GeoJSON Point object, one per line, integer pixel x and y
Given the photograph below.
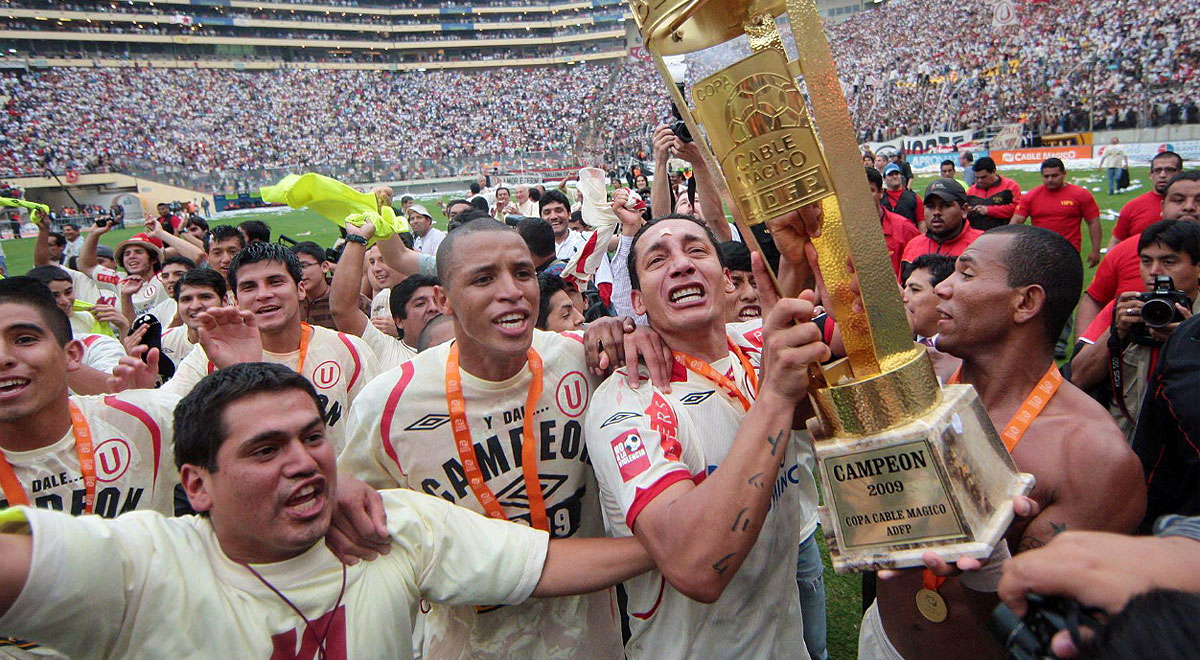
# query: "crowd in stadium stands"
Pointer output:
{"type": "Point", "coordinates": [1137, 61]}
{"type": "Point", "coordinates": [210, 119]}
{"type": "Point", "coordinates": [1139, 65]}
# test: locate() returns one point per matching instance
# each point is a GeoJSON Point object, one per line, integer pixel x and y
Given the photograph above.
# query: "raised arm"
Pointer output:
{"type": "Point", "coordinates": [41, 244]}
{"type": "Point", "coordinates": [699, 534]}
{"type": "Point", "coordinates": [344, 290]}
{"type": "Point", "coordinates": [183, 246]}
{"type": "Point", "coordinates": [87, 254]}
{"type": "Point", "coordinates": [660, 188]}
{"type": "Point", "coordinates": [711, 210]}
{"type": "Point", "coordinates": [399, 256]}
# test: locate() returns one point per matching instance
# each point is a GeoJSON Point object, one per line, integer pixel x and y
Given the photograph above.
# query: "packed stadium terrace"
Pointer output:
{"type": "Point", "coordinates": [1137, 63]}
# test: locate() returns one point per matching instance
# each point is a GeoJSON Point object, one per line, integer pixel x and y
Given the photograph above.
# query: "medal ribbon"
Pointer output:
{"type": "Point", "coordinates": [457, 407]}
{"type": "Point", "coordinates": [705, 370]}
{"type": "Point", "coordinates": [84, 449]}
{"type": "Point", "coordinates": [306, 333]}
{"type": "Point", "coordinates": [1014, 431]}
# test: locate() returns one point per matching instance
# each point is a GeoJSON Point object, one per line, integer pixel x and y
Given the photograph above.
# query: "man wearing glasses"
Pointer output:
{"type": "Point", "coordinates": [314, 308]}
{"type": "Point", "coordinates": [1146, 209]}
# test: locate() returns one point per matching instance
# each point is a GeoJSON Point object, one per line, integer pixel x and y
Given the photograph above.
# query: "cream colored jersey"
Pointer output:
{"type": "Point", "coordinates": [87, 290]}
{"type": "Point", "coordinates": [152, 292]}
{"type": "Point", "coordinates": [164, 310]}
{"type": "Point", "coordinates": [381, 304]}
{"type": "Point", "coordinates": [338, 365]}
{"type": "Point", "coordinates": [134, 452]}
{"type": "Point", "coordinates": [390, 352]}
{"type": "Point", "coordinates": [642, 441]}
{"type": "Point", "coordinates": [400, 435]}
{"type": "Point", "coordinates": [175, 343]}
{"type": "Point", "coordinates": [145, 586]}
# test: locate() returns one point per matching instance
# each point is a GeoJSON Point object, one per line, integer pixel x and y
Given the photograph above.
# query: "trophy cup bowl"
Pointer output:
{"type": "Point", "coordinates": [910, 465]}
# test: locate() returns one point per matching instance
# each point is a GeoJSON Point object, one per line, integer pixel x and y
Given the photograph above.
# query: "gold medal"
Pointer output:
{"type": "Point", "coordinates": [931, 605]}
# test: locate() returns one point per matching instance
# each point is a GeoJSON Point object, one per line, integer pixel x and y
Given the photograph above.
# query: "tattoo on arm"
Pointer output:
{"type": "Point", "coordinates": [1033, 542]}
{"type": "Point", "coordinates": [738, 520]}
{"type": "Point", "coordinates": [722, 564]}
{"type": "Point", "coordinates": [774, 440]}
{"type": "Point", "coordinates": [756, 480]}
{"type": "Point", "coordinates": [1058, 528]}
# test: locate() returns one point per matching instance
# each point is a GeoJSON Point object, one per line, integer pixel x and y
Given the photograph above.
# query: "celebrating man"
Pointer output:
{"type": "Point", "coordinates": [1001, 312]}
{"type": "Point", "coordinates": [705, 475]}
{"type": "Point", "coordinates": [255, 459]}
{"type": "Point", "coordinates": [267, 282]}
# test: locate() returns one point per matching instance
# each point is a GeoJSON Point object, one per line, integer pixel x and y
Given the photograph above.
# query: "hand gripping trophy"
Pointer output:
{"type": "Point", "coordinates": [910, 465]}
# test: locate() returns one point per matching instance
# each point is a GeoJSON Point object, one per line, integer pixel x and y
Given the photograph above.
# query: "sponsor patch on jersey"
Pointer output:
{"type": "Point", "coordinates": [695, 398]}
{"type": "Point", "coordinates": [630, 454]}
{"type": "Point", "coordinates": [428, 422]}
{"type": "Point", "coordinates": [619, 417]}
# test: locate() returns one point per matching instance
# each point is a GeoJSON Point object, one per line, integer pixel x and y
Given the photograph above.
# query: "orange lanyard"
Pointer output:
{"type": "Point", "coordinates": [306, 333]}
{"type": "Point", "coordinates": [457, 406]}
{"type": "Point", "coordinates": [15, 494]}
{"type": "Point", "coordinates": [1030, 409]}
{"type": "Point", "coordinates": [1017, 426]}
{"type": "Point", "coordinates": [704, 370]}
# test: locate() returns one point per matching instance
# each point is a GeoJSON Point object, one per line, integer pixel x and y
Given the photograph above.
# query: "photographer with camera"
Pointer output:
{"type": "Point", "coordinates": [1123, 343]}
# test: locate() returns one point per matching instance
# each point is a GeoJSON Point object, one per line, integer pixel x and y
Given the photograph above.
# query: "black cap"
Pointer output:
{"type": "Point", "coordinates": [947, 189]}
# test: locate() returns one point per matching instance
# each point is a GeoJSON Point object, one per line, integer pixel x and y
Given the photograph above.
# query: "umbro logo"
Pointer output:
{"type": "Point", "coordinates": [695, 398]}
{"type": "Point", "coordinates": [428, 422]}
{"type": "Point", "coordinates": [619, 417]}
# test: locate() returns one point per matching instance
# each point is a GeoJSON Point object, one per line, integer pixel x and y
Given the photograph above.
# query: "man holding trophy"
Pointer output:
{"type": "Point", "coordinates": [914, 474]}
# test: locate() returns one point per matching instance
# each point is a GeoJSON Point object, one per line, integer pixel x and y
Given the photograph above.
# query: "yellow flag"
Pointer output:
{"type": "Point", "coordinates": [335, 201]}
{"type": "Point", "coordinates": [98, 327]}
{"type": "Point", "coordinates": [33, 206]}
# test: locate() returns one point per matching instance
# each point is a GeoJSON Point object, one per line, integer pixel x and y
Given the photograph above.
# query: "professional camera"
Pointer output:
{"type": "Point", "coordinates": [1028, 638]}
{"type": "Point", "coordinates": [103, 221]}
{"type": "Point", "coordinates": [679, 127]}
{"type": "Point", "coordinates": [1158, 306]}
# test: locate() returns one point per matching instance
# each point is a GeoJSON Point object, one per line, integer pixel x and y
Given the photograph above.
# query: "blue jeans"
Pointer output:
{"type": "Point", "coordinates": [1114, 176]}
{"type": "Point", "coordinates": [810, 578]}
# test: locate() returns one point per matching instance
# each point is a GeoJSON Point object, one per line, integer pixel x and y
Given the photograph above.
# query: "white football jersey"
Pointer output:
{"type": "Point", "coordinates": [400, 435]}
{"type": "Point", "coordinates": [642, 441]}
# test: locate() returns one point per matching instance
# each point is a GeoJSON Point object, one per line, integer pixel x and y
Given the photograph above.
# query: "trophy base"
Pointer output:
{"type": "Point", "coordinates": [943, 482]}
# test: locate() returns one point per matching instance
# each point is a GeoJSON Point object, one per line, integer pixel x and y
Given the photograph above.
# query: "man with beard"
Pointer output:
{"type": "Point", "coordinates": [1001, 313]}
{"type": "Point", "coordinates": [948, 232]}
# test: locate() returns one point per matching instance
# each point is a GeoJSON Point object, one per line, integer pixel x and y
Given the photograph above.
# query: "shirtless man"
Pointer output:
{"type": "Point", "coordinates": [1001, 313]}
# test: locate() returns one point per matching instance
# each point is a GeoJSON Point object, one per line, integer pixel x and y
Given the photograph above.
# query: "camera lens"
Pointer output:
{"type": "Point", "coordinates": [1158, 313]}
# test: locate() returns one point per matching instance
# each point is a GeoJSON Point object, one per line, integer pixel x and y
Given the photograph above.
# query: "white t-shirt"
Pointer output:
{"type": "Point", "coordinates": [389, 351]}
{"type": "Point", "coordinates": [164, 310]}
{"type": "Point", "coordinates": [570, 245]}
{"type": "Point", "coordinates": [338, 365]}
{"type": "Point", "coordinates": [152, 292]}
{"type": "Point", "coordinates": [144, 586]}
{"type": "Point", "coordinates": [175, 343]}
{"type": "Point", "coordinates": [428, 244]}
{"type": "Point", "coordinates": [101, 352]}
{"type": "Point", "coordinates": [642, 441]}
{"type": "Point", "coordinates": [87, 290]}
{"type": "Point", "coordinates": [400, 435]}
{"type": "Point", "coordinates": [134, 450]}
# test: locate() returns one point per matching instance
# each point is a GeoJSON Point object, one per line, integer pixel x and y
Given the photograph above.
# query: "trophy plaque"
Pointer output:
{"type": "Point", "coordinates": [911, 465]}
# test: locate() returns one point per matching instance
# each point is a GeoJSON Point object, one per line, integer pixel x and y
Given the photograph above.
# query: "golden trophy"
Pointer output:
{"type": "Point", "coordinates": [911, 466]}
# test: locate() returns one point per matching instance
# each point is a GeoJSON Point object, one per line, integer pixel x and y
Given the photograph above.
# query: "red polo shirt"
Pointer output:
{"type": "Point", "coordinates": [1139, 213]}
{"type": "Point", "coordinates": [897, 232]}
{"type": "Point", "coordinates": [1119, 272]}
{"type": "Point", "coordinates": [952, 248]}
{"type": "Point", "coordinates": [1061, 211]}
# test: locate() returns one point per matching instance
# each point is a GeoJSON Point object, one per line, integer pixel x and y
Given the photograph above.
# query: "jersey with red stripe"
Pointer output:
{"type": "Point", "coordinates": [643, 441]}
{"type": "Point", "coordinates": [134, 451]}
{"type": "Point", "coordinates": [337, 364]}
{"type": "Point", "coordinates": [400, 434]}
{"type": "Point", "coordinates": [150, 294]}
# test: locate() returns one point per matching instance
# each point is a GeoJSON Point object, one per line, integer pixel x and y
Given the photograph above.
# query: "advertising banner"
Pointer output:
{"type": "Point", "coordinates": [933, 161]}
{"type": "Point", "coordinates": [920, 144]}
{"type": "Point", "coordinates": [1036, 156]}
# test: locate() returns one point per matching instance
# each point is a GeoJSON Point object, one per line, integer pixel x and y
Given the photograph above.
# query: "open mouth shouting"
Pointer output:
{"type": "Point", "coordinates": [307, 501]}
{"type": "Point", "coordinates": [749, 312]}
